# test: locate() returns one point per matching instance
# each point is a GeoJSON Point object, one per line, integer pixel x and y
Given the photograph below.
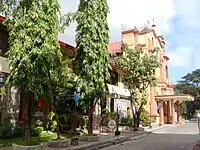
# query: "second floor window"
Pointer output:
{"type": "Point", "coordinates": [113, 78]}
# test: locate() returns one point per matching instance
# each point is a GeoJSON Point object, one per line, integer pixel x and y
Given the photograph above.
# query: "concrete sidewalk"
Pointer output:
{"type": "Point", "coordinates": [106, 140]}
{"type": "Point", "coordinates": [157, 127]}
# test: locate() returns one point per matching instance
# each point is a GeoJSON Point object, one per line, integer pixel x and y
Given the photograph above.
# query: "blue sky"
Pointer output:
{"type": "Point", "coordinates": [178, 21]}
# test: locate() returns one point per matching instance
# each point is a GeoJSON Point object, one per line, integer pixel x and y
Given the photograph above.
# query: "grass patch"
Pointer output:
{"type": "Point", "coordinates": [19, 141]}
{"type": "Point", "coordinates": [44, 137]}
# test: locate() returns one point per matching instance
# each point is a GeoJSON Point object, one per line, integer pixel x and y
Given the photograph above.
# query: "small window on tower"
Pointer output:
{"type": "Point", "coordinates": [152, 43]}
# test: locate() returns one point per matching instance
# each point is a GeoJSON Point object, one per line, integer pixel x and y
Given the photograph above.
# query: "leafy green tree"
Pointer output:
{"type": "Point", "coordinates": [190, 84]}
{"type": "Point", "coordinates": [62, 84]}
{"type": "Point", "coordinates": [34, 52]}
{"type": "Point", "coordinates": [139, 68]}
{"type": "Point", "coordinates": [91, 57]}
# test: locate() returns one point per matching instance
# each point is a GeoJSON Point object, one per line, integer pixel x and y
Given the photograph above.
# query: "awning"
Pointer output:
{"type": "Point", "coordinates": [113, 89]}
{"type": "Point", "coordinates": [177, 97]}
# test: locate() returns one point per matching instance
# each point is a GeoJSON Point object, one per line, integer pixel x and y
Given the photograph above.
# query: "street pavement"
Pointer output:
{"type": "Point", "coordinates": [177, 137]}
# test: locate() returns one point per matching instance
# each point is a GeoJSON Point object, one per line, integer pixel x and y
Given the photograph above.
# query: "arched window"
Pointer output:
{"type": "Point", "coordinates": [149, 44]}
{"type": "Point", "coordinates": [152, 43]}
{"type": "Point", "coordinates": [166, 71]}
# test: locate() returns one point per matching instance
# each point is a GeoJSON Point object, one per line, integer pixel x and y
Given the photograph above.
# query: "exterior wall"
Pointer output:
{"type": "Point", "coordinates": [4, 65]}
{"type": "Point", "coordinates": [9, 105]}
{"type": "Point", "coordinates": [10, 97]}
{"type": "Point", "coordinates": [129, 38]}
{"type": "Point", "coordinates": [150, 40]}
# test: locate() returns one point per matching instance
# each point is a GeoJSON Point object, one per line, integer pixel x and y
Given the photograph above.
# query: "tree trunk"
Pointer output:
{"type": "Point", "coordinates": [90, 128]}
{"type": "Point", "coordinates": [137, 118]}
{"type": "Point", "coordinates": [134, 113]}
{"type": "Point", "coordinates": [135, 122]}
{"type": "Point", "coordinates": [57, 127]}
{"type": "Point", "coordinates": [28, 118]}
{"type": "Point", "coordinates": [57, 121]}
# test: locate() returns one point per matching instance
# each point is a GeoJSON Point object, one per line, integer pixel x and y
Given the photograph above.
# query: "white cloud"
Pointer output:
{"type": "Point", "coordinates": [180, 57]}
{"type": "Point", "coordinates": [130, 13]}
{"type": "Point", "coordinates": [185, 36]}
{"type": "Point", "coordinates": [137, 12]}
{"type": "Point", "coordinates": [188, 12]}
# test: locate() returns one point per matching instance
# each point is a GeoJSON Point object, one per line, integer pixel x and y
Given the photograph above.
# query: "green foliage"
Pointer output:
{"type": "Point", "coordinates": [38, 127]}
{"type": "Point", "coordinates": [39, 123]}
{"type": "Point", "coordinates": [9, 131]}
{"type": "Point", "coordinates": [33, 48]}
{"type": "Point", "coordinates": [197, 111]}
{"type": "Point", "coordinates": [144, 118]}
{"type": "Point", "coordinates": [52, 124]}
{"type": "Point", "coordinates": [190, 84]}
{"type": "Point", "coordinates": [63, 86]}
{"type": "Point", "coordinates": [2, 90]}
{"type": "Point", "coordinates": [19, 140]}
{"type": "Point", "coordinates": [91, 57]}
{"type": "Point", "coordinates": [107, 116]}
{"type": "Point", "coordinates": [7, 6]}
{"type": "Point", "coordinates": [48, 135]}
{"type": "Point", "coordinates": [139, 67]}
{"type": "Point", "coordinates": [127, 121]}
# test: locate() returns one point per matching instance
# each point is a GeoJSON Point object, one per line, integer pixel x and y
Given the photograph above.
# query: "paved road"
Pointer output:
{"type": "Point", "coordinates": [174, 138]}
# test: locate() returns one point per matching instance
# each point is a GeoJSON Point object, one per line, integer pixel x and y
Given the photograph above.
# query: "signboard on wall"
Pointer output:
{"type": "Point", "coordinates": [123, 105]}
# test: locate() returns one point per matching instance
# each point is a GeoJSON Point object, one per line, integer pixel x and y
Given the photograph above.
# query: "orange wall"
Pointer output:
{"type": "Point", "coordinates": [151, 40]}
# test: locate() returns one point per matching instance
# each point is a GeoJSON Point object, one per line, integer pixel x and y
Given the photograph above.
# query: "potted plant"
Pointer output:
{"type": "Point", "coordinates": [53, 126]}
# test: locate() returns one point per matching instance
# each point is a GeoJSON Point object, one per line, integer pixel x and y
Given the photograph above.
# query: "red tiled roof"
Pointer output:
{"type": "Point", "coordinates": [62, 44]}
{"type": "Point", "coordinates": [2, 18]}
{"type": "Point", "coordinates": [114, 47]}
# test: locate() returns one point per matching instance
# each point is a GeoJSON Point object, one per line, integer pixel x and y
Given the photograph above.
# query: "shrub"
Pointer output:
{"type": "Point", "coordinates": [18, 131]}
{"type": "Point", "coordinates": [38, 127]}
{"type": "Point", "coordinates": [8, 131]}
{"type": "Point", "coordinates": [144, 118]}
{"type": "Point", "coordinates": [52, 124]}
{"type": "Point", "coordinates": [107, 116]}
{"type": "Point", "coordinates": [127, 121]}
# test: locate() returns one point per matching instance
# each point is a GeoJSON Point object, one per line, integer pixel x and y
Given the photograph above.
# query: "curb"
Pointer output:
{"type": "Point", "coordinates": [107, 143]}
{"type": "Point", "coordinates": [158, 128]}
{"type": "Point", "coordinates": [196, 146]}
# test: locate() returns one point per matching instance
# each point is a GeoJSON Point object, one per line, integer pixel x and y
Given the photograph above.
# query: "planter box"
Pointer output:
{"type": "Point", "coordinates": [105, 129]}
{"type": "Point", "coordinates": [21, 147]}
{"type": "Point", "coordinates": [58, 143]}
{"type": "Point", "coordinates": [89, 138]}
